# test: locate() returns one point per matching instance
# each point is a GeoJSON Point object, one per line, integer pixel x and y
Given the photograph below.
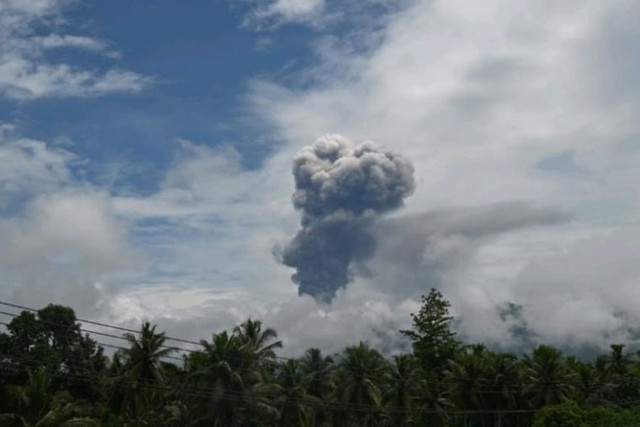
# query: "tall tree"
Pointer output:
{"type": "Point", "coordinates": [548, 379]}
{"type": "Point", "coordinates": [218, 370]}
{"type": "Point", "coordinates": [361, 372]}
{"type": "Point", "coordinates": [143, 371]}
{"type": "Point", "coordinates": [260, 344]}
{"type": "Point", "coordinates": [402, 384]}
{"type": "Point", "coordinates": [295, 403]}
{"type": "Point", "coordinates": [319, 380]}
{"type": "Point", "coordinates": [231, 371]}
{"type": "Point", "coordinates": [52, 338]}
{"type": "Point", "coordinates": [433, 340]}
{"type": "Point", "coordinates": [468, 377]}
{"type": "Point", "coordinates": [259, 347]}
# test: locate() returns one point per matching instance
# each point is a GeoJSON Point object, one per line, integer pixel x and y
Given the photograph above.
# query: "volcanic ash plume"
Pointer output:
{"type": "Point", "coordinates": [341, 189]}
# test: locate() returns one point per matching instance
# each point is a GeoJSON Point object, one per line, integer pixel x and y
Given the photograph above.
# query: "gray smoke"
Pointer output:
{"type": "Point", "coordinates": [341, 190]}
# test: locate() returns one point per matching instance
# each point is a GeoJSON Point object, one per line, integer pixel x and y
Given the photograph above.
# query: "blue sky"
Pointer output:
{"type": "Point", "coordinates": [146, 150]}
{"type": "Point", "coordinates": [198, 59]}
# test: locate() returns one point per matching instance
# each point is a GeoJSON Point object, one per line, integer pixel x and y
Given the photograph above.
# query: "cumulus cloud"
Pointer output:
{"type": "Point", "coordinates": [209, 220]}
{"type": "Point", "coordinates": [588, 294]}
{"type": "Point", "coordinates": [26, 73]}
{"type": "Point", "coordinates": [60, 238]}
{"type": "Point", "coordinates": [28, 166]}
{"type": "Point", "coordinates": [60, 249]}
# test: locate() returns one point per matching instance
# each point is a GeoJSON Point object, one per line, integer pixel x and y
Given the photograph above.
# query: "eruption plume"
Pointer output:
{"type": "Point", "coordinates": [341, 190]}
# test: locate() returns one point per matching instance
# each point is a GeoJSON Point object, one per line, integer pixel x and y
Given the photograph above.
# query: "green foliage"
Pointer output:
{"type": "Point", "coordinates": [52, 338]}
{"type": "Point", "coordinates": [549, 378]}
{"type": "Point", "coordinates": [52, 375]}
{"type": "Point", "coordinates": [360, 373]}
{"type": "Point", "coordinates": [565, 415]}
{"type": "Point", "coordinates": [139, 387]}
{"type": "Point", "coordinates": [35, 404]}
{"type": "Point", "coordinates": [433, 341]}
{"type": "Point", "coordinates": [569, 414]}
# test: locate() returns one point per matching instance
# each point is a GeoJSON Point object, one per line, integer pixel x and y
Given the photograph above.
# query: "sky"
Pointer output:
{"type": "Point", "coordinates": [154, 158]}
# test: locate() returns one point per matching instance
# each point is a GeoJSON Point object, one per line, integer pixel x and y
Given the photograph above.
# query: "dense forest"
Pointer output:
{"type": "Point", "coordinates": [53, 373]}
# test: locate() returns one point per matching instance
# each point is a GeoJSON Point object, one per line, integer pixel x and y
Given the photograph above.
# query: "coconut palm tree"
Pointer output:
{"type": "Point", "coordinates": [319, 382]}
{"type": "Point", "coordinates": [468, 376]}
{"type": "Point", "coordinates": [295, 403]}
{"type": "Point", "coordinates": [592, 384]}
{"type": "Point", "coordinates": [229, 372]}
{"type": "Point", "coordinates": [361, 371]}
{"type": "Point", "coordinates": [258, 343]}
{"type": "Point", "coordinates": [37, 406]}
{"type": "Point", "coordinates": [624, 374]}
{"type": "Point", "coordinates": [142, 372]}
{"type": "Point", "coordinates": [505, 390]}
{"type": "Point", "coordinates": [432, 400]}
{"type": "Point", "coordinates": [402, 383]}
{"type": "Point", "coordinates": [258, 346]}
{"type": "Point", "coordinates": [217, 370]}
{"type": "Point", "coordinates": [548, 378]}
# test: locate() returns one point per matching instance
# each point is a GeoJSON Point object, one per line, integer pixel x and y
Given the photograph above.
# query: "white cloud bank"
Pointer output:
{"type": "Point", "coordinates": [514, 114]}
{"type": "Point", "coordinates": [498, 102]}
{"type": "Point", "coordinates": [59, 237]}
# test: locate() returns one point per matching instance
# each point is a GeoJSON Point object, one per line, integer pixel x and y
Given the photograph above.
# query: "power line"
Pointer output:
{"type": "Point", "coordinates": [104, 325]}
{"type": "Point", "coordinates": [89, 331]}
{"type": "Point", "coordinates": [478, 388]}
{"type": "Point", "coordinates": [477, 383]}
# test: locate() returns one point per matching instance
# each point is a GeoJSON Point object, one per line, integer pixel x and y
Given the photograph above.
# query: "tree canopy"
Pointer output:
{"type": "Point", "coordinates": [51, 374]}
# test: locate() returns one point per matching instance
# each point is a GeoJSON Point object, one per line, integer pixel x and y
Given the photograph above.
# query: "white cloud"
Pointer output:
{"type": "Point", "coordinates": [28, 166]}
{"type": "Point", "coordinates": [213, 223]}
{"type": "Point", "coordinates": [273, 12]}
{"type": "Point", "coordinates": [60, 248]}
{"type": "Point", "coordinates": [494, 104]}
{"type": "Point", "coordinates": [59, 237]}
{"type": "Point", "coordinates": [26, 73]}
{"type": "Point", "coordinates": [481, 99]}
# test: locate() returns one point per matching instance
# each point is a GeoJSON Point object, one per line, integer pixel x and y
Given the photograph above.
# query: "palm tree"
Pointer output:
{"type": "Point", "coordinates": [505, 391]}
{"type": "Point", "coordinates": [227, 370]}
{"type": "Point", "coordinates": [37, 406]}
{"type": "Point", "coordinates": [432, 400]}
{"type": "Point", "coordinates": [625, 375]}
{"type": "Point", "coordinates": [548, 378]}
{"type": "Point", "coordinates": [144, 356]}
{"type": "Point", "coordinates": [360, 374]}
{"type": "Point", "coordinates": [259, 347]}
{"type": "Point", "coordinates": [617, 361]}
{"type": "Point", "coordinates": [218, 371]}
{"type": "Point", "coordinates": [319, 381]}
{"type": "Point", "coordinates": [295, 402]}
{"type": "Point", "coordinates": [592, 382]}
{"type": "Point", "coordinates": [402, 384]}
{"type": "Point", "coordinates": [257, 342]}
{"type": "Point", "coordinates": [468, 376]}
{"type": "Point", "coordinates": [143, 373]}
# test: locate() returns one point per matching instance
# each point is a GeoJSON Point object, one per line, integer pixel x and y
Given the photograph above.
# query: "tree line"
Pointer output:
{"type": "Point", "coordinates": [53, 374]}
